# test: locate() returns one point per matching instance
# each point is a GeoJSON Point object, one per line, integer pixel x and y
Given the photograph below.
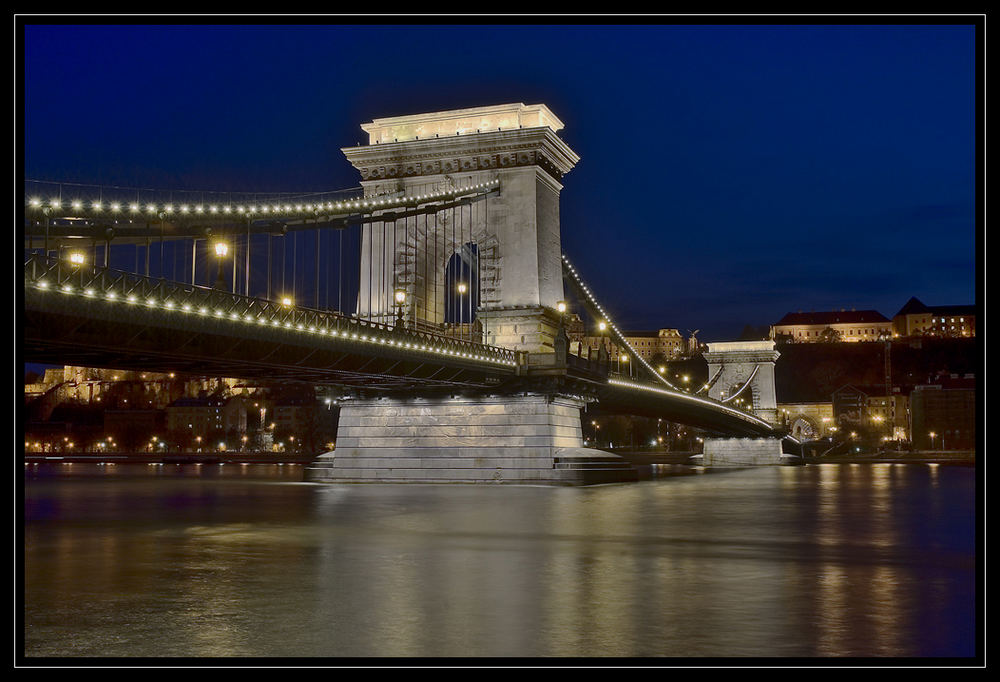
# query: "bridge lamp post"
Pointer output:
{"type": "Point", "coordinates": [462, 288]}
{"type": "Point", "coordinates": [399, 295]}
{"type": "Point", "coordinates": [77, 259]}
{"type": "Point", "coordinates": [221, 251]}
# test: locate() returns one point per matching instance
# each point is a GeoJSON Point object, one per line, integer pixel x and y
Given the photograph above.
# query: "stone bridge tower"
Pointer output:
{"type": "Point", "coordinates": [743, 370]}
{"type": "Point", "coordinates": [746, 365]}
{"type": "Point", "coordinates": [515, 235]}
{"type": "Point", "coordinates": [527, 435]}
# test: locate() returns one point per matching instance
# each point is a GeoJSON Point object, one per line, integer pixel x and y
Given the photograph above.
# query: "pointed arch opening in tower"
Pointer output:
{"type": "Point", "coordinates": [461, 292]}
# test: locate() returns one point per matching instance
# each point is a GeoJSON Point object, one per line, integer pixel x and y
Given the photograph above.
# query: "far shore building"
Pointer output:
{"type": "Point", "coordinates": [832, 326]}
{"type": "Point", "coordinates": [207, 418]}
{"type": "Point", "coordinates": [944, 413]}
{"type": "Point", "coordinates": [869, 408]}
{"type": "Point", "coordinates": [917, 319]}
{"type": "Point", "coordinates": [666, 343]}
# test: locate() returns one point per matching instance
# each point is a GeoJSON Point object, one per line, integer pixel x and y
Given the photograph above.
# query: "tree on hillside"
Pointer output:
{"type": "Point", "coordinates": [830, 335]}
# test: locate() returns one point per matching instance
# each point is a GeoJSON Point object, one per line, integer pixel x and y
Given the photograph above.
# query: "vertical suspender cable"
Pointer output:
{"type": "Point", "coordinates": [438, 318]}
{"type": "Point", "coordinates": [246, 286]}
{"type": "Point", "coordinates": [395, 253]}
{"type": "Point", "coordinates": [465, 247]}
{"type": "Point", "coordinates": [426, 280]}
{"type": "Point", "coordinates": [340, 272]}
{"type": "Point", "coordinates": [371, 254]}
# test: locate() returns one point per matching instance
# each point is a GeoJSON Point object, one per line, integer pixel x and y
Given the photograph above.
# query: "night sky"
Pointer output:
{"type": "Point", "coordinates": [728, 174]}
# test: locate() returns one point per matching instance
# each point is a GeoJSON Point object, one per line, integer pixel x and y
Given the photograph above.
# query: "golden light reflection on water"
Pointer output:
{"type": "Point", "coordinates": [786, 561]}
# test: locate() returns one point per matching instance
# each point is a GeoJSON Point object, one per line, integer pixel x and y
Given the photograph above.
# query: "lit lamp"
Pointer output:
{"type": "Point", "coordinates": [221, 251]}
{"type": "Point", "coordinates": [399, 296]}
{"type": "Point", "coordinates": [462, 288]}
{"type": "Point", "coordinates": [77, 258]}
{"type": "Point", "coordinates": [285, 301]}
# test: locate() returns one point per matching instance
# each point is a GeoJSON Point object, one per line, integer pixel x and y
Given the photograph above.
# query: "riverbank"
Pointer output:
{"type": "Point", "coordinates": [639, 458]}
{"type": "Point", "coordinates": [964, 457]}
{"type": "Point", "coordinates": [172, 458]}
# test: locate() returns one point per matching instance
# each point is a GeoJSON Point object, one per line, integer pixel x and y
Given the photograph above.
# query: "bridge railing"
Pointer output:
{"type": "Point", "coordinates": [93, 281]}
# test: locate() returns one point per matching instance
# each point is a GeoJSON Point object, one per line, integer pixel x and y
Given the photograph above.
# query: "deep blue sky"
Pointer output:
{"type": "Point", "coordinates": [728, 174]}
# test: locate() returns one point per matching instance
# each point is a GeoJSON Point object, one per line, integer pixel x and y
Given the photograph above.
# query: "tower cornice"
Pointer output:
{"type": "Point", "coordinates": [481, 151]}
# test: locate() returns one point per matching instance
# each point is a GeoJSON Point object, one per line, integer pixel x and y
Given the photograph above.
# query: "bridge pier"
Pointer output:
{"type": "Point", "coordinates": [529, 438]}
{"type": "Point", "coordinates": [721, 452]}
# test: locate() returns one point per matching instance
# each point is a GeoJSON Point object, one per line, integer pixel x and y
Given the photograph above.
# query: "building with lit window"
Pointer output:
{"type": "Point", "coordinates": [667, 343]}
{"type": "Point", "coordinates": [207, 417]}
{"type": "Point", "coordinates": [917, 319]}
{"type": "Point", "coordinates": [831, 327]}
{"type": "Point", "coordinates": [944, 414]}
{"type": "Point", "coordinates": [869, 408]}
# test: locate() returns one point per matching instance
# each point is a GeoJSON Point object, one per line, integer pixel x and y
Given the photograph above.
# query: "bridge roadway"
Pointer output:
{"type": "Point", "coordinates": [89, 315]}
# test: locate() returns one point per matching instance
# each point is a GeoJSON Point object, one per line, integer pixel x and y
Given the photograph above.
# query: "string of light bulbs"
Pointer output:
{"type": "Point", "coordinates": [619, 337]}
{"type": "Point", "coordinates": [259, 209]}
{"type": "Point", "coordinates": [693, 398]}
{"type": "Point", "coordinates": [385, 338]}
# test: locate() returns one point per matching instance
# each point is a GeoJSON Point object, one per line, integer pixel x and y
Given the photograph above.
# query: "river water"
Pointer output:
{"type": "Point", "coordinates": [833, 560]}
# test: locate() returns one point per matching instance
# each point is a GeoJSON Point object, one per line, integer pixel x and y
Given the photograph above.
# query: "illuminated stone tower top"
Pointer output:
{"type": "Point", "coordinates": [516, 235]}
{"type": "Point", "coordinates": [460, 122]}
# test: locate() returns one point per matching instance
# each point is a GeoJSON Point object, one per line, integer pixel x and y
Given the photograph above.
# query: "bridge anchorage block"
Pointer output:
{"type": "Point", "coordinates": [743, 452]}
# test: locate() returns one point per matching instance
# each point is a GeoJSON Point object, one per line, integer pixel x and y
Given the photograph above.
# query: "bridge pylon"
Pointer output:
{"type": "Point", "coordinates": [741, 374]}
{"type": "Point", "coordinates": [509, 244]}
{"type": "Point", "coordinates": [507, 247]}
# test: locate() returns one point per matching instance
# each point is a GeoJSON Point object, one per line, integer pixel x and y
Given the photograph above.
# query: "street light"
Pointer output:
{"type": "Point", "coordinates": [77, 258]}
{"type": "Point", "coordinates": [400, 297]}
{"type": "Point", "coordinates": [221, 251]}
{"type": "Point", "coordinates": [932, 435]}
{"type": "Point", "coordinates": [462, 288]}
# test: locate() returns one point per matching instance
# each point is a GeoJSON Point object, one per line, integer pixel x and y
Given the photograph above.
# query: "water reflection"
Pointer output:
{"type": "Point", "coordinates": [831, 560]}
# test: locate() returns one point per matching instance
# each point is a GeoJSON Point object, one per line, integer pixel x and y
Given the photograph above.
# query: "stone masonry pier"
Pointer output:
{"type": "Point", "coordinates": [526, 439]}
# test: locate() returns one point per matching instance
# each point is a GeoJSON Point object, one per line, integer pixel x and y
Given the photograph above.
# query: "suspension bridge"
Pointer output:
{"type": "Point", "coordinates": [430, 303]}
